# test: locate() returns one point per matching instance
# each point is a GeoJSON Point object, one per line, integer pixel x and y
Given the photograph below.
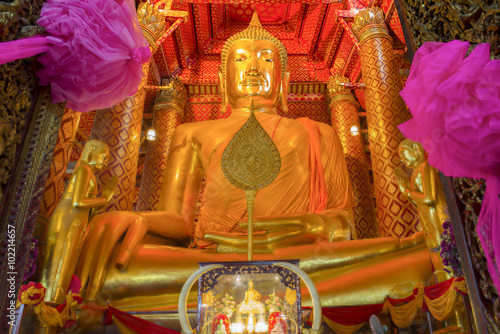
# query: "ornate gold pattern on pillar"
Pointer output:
{"type": "Point", "coordinates": [344, 109]}
{"type": "Point", "coordinates": [120, 126]}
{"type": "Point", "coordinates": [168, 113]}
{"type": "Point", "coordinates": [54, 187]}
{"type": "Point", "coordinates": [385, 110]}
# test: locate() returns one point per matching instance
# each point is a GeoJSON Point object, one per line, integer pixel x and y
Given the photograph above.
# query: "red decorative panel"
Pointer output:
{"type": "Point", "coordinates": [360, 96]}
{"type": "Point", "coordinates": [295, 14]}
{"type": "Point", "coordinates": [186, 30]}
{"type": "Point", "coordinates": [306, 88]}
{"type": "Point", "coordinates": [342, 54]}
{"type": "Point", "coordinates": [386, 5]}
{"type": "Point", "coordinates": [395, 25]}
{"type": "Point", "coordinates": [202, 25]}
{"type": "Point", "coordinates": [274, 13]}
{"type": "Point", "coordinates": [311, 24]}
{"type": "Point", "coordinates": [203, 93]}
{"type": "Point", "coordinates": [351, 63]}
{"type": "Point", "coordinates": [337, 36]}
{"type": "Point", "coordinates": [298, 68]}
{"type": "Point", "coordinates": [328, 33]}
{"type": "Point", "coordinates": [202, 112]}
{"type": "Point", "coordinates": [204, 71]}
{"type": "Point", "coordinates": [323, 9]}
{"type": "Point", "coordinates": [168, 52]}
{"type": "Point", "coordinates": [217, 11]}
{"type": "Point", "coordinates": [311, 97]}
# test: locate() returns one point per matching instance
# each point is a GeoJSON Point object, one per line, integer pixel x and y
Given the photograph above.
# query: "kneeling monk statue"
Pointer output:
{"type": "Point", "coordinates": [140, 260]}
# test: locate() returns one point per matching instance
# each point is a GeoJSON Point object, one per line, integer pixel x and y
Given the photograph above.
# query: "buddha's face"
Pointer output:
{"type": "Point", "coordinates": [253, 73]}
{"type": "Point", "coordinates": [409, 157]}
{"type": "Point", "coordinates": [99, 159]}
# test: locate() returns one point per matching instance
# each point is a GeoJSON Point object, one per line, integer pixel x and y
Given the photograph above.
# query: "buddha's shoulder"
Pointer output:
{"type": "Point", "coordinates": [205, 131]}
{"type": "Point", "coordinates": [300, 128]}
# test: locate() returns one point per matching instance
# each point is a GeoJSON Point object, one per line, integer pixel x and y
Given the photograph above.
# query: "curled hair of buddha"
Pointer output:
{"type": "Point", "coordinates": [91, 147]}
{"type": "Point", "coordinates": [256, 32]}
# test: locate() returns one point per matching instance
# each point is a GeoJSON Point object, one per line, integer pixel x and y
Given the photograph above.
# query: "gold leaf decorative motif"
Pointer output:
{"type": "Point", "coordinates": [251, 160]}
{"type": "Point", "coordinates": [290, 296]}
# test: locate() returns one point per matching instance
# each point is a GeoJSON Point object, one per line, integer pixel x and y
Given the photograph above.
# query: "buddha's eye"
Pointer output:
{"type": "Point", "coordinates": [240, 58]}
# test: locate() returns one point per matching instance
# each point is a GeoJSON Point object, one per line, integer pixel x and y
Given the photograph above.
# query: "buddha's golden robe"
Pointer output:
{"type": "Point", "coordinates": [224, 205]}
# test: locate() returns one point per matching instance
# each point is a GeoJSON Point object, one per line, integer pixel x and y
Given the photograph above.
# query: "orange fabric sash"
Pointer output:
{"type": "Point", "coordinates": [318, 196]}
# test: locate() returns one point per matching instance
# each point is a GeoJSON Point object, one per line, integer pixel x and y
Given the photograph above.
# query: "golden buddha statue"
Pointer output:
{"type": "Point", "coordinates": [67, 224]}
{"type": "Point", "coordinates": [425, 190]}
{"type": "Point", "coordinates": [139, 260]}
{"type": "Point", "coordinates": [251, 294]}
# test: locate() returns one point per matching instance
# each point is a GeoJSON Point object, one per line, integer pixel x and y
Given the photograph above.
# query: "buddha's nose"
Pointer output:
{"type": "Point", "coordinates": [253, 69]}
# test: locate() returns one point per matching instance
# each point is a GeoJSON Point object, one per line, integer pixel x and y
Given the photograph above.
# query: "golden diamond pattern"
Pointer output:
{"type": "Point", "coordinates": [385, 111]}
{"type": "Point", "coordinates": [344, 116]}
{"type": "Point", "coordinates": [120, 128]}
{"type": "Point", "coordinates": [164, 122]}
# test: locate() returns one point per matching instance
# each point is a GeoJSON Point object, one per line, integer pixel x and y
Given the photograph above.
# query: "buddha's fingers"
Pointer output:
{"type": "Point", "coordinates": [278, 224]}
{"type": "Point", "coordinates": [232, 240]}
{"type": "Point", "coordinates": [114, 230]}
{"type": "Point", "coordinates": [88, 256]}
{"type": "Point", "coordinates": [133, 238]}
{"type": "Point", "coordinates": [226, 239]}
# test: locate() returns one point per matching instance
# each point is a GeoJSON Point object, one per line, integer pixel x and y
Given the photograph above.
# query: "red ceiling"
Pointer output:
{"type": "Point", "coordinates": [317, 43]}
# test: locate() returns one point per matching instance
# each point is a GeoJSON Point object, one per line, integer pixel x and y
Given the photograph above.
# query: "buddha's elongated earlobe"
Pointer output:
{"type": "Point", "coordinates": [223, 91]}
{"type": "Point", "coordinates": [285, 83]}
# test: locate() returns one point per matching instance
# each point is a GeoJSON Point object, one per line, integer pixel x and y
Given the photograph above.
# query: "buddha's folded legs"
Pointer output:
{"type": "Point", "coordinates": [346, 273]}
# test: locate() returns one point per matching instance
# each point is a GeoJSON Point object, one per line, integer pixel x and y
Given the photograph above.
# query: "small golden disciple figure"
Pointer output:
{"type": "Point", "coordinates": [425, 190]}
{"type": "Point", "coordinates": [67, 224]}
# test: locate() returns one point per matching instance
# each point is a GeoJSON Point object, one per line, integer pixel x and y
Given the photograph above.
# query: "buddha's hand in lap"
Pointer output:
{"type": "Point", "coordinates": [106, 230]}
{"type": "Point", "coordinates": [275, 232]}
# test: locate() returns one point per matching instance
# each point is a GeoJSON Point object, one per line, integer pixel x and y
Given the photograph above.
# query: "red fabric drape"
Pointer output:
{"type": "Point", "coordinates": [396, 301]}
{"type": "Point", "coordinates": [352, 315]}
{"type": "Point", "coordinates": [436, 291]}
{"type": "Point", "coordinates": [348, 316]}
{"type": "Point", "coordinates": [139, 325]}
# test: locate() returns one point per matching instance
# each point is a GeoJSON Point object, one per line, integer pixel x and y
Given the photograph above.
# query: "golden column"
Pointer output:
{"type": "Point", "coordinates": [396, 215]}
{"type": "Point", "coordinates": [54, 186]}
{"type": "Point", "coordinates": [120, 126]}
{"type": "Point", "coordinates": [168, 113]}
{"type": "Point", "coordinates": [345, 120]}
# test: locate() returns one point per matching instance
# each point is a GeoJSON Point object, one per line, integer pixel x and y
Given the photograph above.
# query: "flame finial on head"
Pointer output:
{"type": "Point", "coordinates": [255, 22]}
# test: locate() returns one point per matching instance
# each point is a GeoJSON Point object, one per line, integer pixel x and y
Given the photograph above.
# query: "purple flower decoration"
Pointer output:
{"type": "Point", "coordinates": [30, 268]}
{"type": "Point", "coordinates": [449, 251]}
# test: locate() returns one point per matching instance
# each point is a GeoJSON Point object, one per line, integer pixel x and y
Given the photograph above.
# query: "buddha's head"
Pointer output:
{"type": "Point", "coordinates": [96, 154]}
{"type": "Point", "coordinates": [254, 69]}
{"type": "Point", "coordinates": [411, 153]}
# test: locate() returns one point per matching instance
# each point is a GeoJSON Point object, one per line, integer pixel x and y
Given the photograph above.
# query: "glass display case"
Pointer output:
{"type": "Point", "coordinates": [248, 297]}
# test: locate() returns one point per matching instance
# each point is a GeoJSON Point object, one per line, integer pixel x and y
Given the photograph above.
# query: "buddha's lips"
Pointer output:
{"type": "Point", "coordinates": [253, 82]}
